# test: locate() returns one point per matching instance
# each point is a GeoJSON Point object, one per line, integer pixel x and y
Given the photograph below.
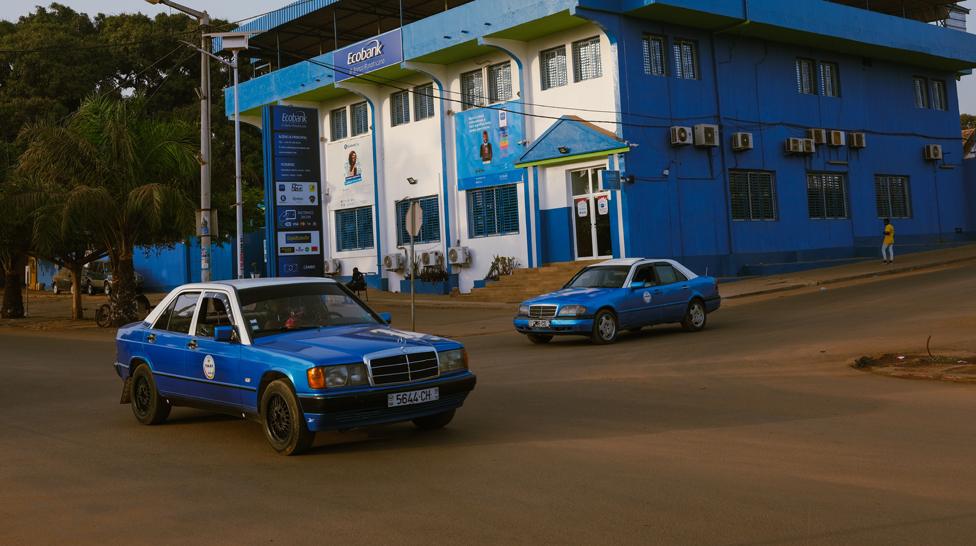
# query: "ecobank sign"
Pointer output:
{"type": "Point", "coordinates": [368, 55]}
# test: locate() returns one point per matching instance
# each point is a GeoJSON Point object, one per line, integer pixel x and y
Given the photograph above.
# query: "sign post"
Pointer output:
{"type": "Point", "coordinates": [414, 221]}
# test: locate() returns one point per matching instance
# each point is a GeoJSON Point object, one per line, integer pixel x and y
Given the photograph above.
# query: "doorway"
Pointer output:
{"type": "Point", "coordinates": [592, 227]}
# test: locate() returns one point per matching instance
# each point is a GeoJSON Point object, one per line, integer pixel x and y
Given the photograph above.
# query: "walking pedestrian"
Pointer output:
{"type": "Point", "coordinates": [888, 244]}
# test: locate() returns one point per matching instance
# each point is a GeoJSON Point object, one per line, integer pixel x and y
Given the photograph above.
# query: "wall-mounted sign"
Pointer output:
{"type": "Point", "coordinates": [349, 172]}
{"type": "Point", "coordinates": [582, 208]}
{"type": "Point", "coordinates": [368, 55]}
{"type": "Point", "coordinates": [603, 205]}
{"type": "Point", "coordinates": [488, 145]}
{"type": "Point", "coordinates": [610, 180]}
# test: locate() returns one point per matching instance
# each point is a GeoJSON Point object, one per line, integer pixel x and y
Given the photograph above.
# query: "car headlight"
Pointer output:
{"type": "Point", "coordinates": [330, 377]}
{"type": "Point", "coordinates": [453, 360]}
{"type": "Point", "coordinates": [523, 310]}
{"type": "Point", "coordinates": [572, 311]}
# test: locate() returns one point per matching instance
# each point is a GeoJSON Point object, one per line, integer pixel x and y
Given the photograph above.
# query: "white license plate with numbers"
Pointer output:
{"type": "Point", "coordinates": [412, 397]}
{"type": "Point", "coordinates": [539, 324]}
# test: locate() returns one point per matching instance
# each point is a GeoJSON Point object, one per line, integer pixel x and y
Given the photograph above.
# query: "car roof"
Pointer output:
{"type": "Point", "coordinates": [630, 262]}
{"type": "Point", "coordinates": [240, 284]}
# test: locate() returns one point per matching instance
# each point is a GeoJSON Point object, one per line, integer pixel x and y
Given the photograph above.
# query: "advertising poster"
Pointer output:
{"type": "Point", "coordinates": [488, 145]}
{"type": "Point", "coordinates": [296, 195]}
{"type": "Point", "coordinates": [349, 168]}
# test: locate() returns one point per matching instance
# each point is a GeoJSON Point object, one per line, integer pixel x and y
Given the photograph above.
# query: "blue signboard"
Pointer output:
{"type": "Point", "coordinates": [488, 145]}
{"type": "Point", "coordinates": [294, 194]}
{"type": "Point", "coordinates": [610, 180]}
{"type": "Point", "coordinates": [368, 55]}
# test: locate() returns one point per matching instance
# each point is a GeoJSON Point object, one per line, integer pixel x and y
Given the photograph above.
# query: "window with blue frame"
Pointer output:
{"type": "Point", "coordinates": [354, 229]}
{"type": "Point", "coordinates": [430, 230]}
{"type": "Point", "coordinates": [493, 211]}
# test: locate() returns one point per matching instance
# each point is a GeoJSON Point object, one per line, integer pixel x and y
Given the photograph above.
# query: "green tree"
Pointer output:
{"type": "Point", "coordinates": [15, 236]}
{"type": "Point", "coordinates": [968, 121]}
{"type": "Point", "coordinates": [127, 175]}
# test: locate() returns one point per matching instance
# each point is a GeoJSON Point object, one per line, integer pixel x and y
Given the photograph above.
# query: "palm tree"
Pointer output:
{"type": "Point", "coordinates": [125, 174]}
{"type": "Point", "coordinates": [15, 236]}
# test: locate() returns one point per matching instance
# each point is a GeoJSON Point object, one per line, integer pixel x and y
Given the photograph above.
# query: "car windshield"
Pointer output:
{"type": "Point", "coordinates": [600, 277]}
{"type": "Point", "coordinates": [289, 307]}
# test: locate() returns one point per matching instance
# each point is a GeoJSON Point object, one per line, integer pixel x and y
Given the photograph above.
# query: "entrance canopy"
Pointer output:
{"type": "Point", "coordinates": [571, 139]}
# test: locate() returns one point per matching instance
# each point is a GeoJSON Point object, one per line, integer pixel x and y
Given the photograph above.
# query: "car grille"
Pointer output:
{"type": "Point", "coordinates": [542, 311]}
{"type": "Point", "coordinates": [403, 368]}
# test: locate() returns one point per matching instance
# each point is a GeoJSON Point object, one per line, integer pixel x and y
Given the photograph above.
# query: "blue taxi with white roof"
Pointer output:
{"type": "Point", "coordinates": [298, 355]}
{"type": "Point", "coordinates": [625, 294]}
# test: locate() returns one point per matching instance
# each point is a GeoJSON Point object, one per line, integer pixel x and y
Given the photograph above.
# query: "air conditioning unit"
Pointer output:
{"type": "Point", "coordinates": [681, 136]}
{"type": "Point", "coordinates": [333, 266]}
{"type": "Point", "coordinates": [742, 142]}
{"type": "Point", "coordinates": [431, 257]}
{"type": "Point", "coordinates": [394, 262]}
{"type": "Point", "coordinates": [857, 140]}
{"type": "Point", "coordinates": [459, 255]}
{"type": "Point", "coordinates": [933, 152]}
{"type": "Point", "coordinates": [809, 146]}
{"type": "Point", "coordinates": [794, 145]}
{"type": "Point", "coordinates": [706, 135]}
{"type": "Point", "coordinates": [838, 138]}
{"type": "Point", "coordinates": [818, 136]}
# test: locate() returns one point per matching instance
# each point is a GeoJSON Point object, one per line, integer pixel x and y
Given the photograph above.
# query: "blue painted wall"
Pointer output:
{"type": "Point", "coordinates": [166, 267]}
{"type": "Point", "coordinates": [555, 235]}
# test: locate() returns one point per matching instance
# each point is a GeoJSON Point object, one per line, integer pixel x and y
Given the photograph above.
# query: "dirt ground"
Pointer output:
{"type": "Point", "coordinates": [959, 367]}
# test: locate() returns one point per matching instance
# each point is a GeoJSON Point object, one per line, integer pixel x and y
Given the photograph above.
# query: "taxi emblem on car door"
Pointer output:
{"type": "Point", "coordinates": [209, 367]}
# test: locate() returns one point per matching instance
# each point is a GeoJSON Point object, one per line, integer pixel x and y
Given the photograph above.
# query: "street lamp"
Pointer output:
{"type": "Point", "coordinates": [204, 19]}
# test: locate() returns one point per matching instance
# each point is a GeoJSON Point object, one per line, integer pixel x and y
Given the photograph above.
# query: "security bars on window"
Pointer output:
{"type": "Point", "coordinates": [553, 67]}
{"type": "Point", "coordinates": [586, 59]}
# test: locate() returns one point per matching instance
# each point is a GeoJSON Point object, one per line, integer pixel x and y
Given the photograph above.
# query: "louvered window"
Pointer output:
{"type": "Point", "coordinates": [939, 99]}
{"type": "Point", "coordinates": [806, 76]}
{"type": "Point", "coordinates": [921, 92]}
{"type": "Point", "coordinates": [360, 119]}
{"type": "Point", "coordinates": [337, 123]}
{"type": "Point", "coordinates": [586, 59]}
{"type": "Point", "coordinates": [423, 102]}
{"type": "Point", "coordinates": [500, 82]}
{"type": "Point", "coordinates": [654, 63]}
{"type": "Point", "coordinates": [354, 228]}
{"type": "Point", "coordinates": [829, 80]}
{"type": "Point", "coordinates": [400, 112]}
{"type": "Point", "coordinates": [685, 60]}
{"type": "Point", "coordinates": [892, 196]}
{"type": "Point", "coordinates": [553, 66]}
{"type": "Point", "coordinates": [472, 89]}
{"type": "Point", "coordinates": [430, 230]}
{"type": "Point", "coordinates": [753, 195]}
{"type": "Point", "coordinates": [493, 211]}
{"type": "Point", "coordinates": [826, 195]}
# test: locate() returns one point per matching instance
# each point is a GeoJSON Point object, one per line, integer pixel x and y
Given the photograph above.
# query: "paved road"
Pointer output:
{"type": "Point", "coordinates": [752, 432]}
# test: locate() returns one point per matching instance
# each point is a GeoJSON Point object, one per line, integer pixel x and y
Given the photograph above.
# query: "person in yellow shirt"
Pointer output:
{"type": "Point", "coordinates": [888, 244]}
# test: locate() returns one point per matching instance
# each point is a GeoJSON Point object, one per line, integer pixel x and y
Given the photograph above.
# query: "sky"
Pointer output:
{"type": "Point", "coordinates": [234, 10]}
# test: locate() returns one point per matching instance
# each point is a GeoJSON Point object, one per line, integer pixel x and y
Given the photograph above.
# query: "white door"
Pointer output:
{"type": "Point", "coordinates": [591, 215]}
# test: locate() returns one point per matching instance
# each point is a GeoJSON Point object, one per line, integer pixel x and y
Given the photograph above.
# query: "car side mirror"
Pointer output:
{"type": "Point", "coordinates": [226, 334]}
{"type": "Point", "coordinates": [386, 317]}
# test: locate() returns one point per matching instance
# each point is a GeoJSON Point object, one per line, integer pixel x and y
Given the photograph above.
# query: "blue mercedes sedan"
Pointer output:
{"type": "Point", "coordinates": [298, 355]}
{"type": "Point", "coordinates": [628, 294]}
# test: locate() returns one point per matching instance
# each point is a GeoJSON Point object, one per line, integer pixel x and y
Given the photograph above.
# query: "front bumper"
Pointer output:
{"type": "Point", "coordinates": [366, 408]}
{"type": "Point", "coordinates": [557, 326]}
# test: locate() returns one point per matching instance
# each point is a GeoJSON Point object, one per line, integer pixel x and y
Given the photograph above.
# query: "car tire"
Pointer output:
{"type": "Point", "coordinates": [147, 405]}
{"type": "Point", "coordinates": [539, 339]}
{"type": "Point", "coordinates": [284, 422]}
{"type": "Point", "coordinates": [695, 316]}
{"type": "Point", "coordinates": [434, 422]}
{"type": "Point", "coordinates": [605, 328]}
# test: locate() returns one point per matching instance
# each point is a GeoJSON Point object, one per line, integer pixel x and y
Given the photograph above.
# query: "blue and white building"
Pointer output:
{"type": "Point", "coordinates": [722, 133]}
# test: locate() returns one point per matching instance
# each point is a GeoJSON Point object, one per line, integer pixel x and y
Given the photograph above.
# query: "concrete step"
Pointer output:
{"type": "Point", "coordinates": [524, 284]}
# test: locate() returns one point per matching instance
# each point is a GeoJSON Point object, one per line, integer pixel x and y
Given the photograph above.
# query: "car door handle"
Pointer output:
{"type": "Point", "coordinates": [192, 344]}
{"type": "Point", "coordinates": [684, 287]}
{"type": "Point", "coordinates": [151, 338]}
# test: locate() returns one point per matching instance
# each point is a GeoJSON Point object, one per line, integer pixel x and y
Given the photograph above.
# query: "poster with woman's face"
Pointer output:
{"type": "Point", "coordinates": [353, 169]}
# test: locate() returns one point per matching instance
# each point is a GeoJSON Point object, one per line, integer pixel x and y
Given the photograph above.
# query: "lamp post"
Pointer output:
{"type": "Point", "coordinates": [204, 19]}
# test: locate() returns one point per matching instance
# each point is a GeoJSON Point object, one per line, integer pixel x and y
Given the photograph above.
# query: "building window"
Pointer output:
{"type": "Point", "coordinates": [806, 77]}
{"type": "Point", "coordinates": [654, 63]}
{"type": "Point", "coordinates": [685, 60]}
{"type": "Point", "coordinates": [337, 124]}
{"type": "Point", "coordinates": [493, 211]}
{"type": "Point", "coordinates": [354, 229]}
{"type": "Point", "coordinates": [921, 92]}
{"type": "Point", "coordinates": [753, 195]}
{"type": "Point", "coordinates": [892, 196]}
{"type": "Point", "coordinates": [472, 89]}
{"type": "Point", "coordinates": [360, 119]}
{"type": "Point", "coordinates": [939, 99]}
{"type": "Point", "coordinates": [829, 80]}
{"type": "Point", "coordinates": [500, 82]}
{"type": "Point", "coordinates": [586, 59]}
{"type": "Point", "coordinates": [827, 195]}
{"type": "Point", "coordinates": [553, 67]}
{"type": "Point", "coordinates": [400, 111]}
{"type": "Point", "coordinates": [430, 230]}
{"type": "Point", "coordinates": [423, 102]}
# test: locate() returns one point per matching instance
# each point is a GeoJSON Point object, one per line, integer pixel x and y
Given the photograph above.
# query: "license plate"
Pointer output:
{"type": "Point", "coordinates": [538, 324]}
{"type": "Point", "coordinates": [412, 397]}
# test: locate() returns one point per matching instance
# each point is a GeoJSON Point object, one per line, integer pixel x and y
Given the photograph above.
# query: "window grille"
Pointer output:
{"type": "Point", "coordinates": [806, 77]}
{"type": "Point", "coordinates": [493, 211]}
{"type": "Point", "coordinates": [360, 119]}
{"type": "Point", "coordinates": [827, 195]}
{"type": "Point", "coordinates": [654, 63]}
{"type": "Point", "coordinates": [337, 124]}
{"type": "Point", "coordinates": [472, 89]}
{"type": "Point", "coordinates": [423, 102]}
{"type": "Point", "coordinates": [892, 196]}
{"type": "Point", "coordinates": [354, 228]}
{"type": "Point", "coordinates": [586, 59]}
{"type": "Point", "coordinates": [553, 66]}
{"type": "Point", "coordinates": [430, 231]}
{"type": "Point", "coordinates": [685, 60]}
{"type": "Point", "coordinates": [753, 195]}
{"type": "Point", "coordinates": [400, 111]}
{"type": "Point", "coordinates": [500, 82]}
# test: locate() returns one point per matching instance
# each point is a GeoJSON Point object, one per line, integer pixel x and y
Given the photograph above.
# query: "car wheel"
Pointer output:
{"type": "Point", "coordinates": [284, 423]}
{"type": "Point", "coordinates": [604, 327]}
{"type": "Point", "coordinates": [695, 317]}
{"type": "Point", "coordinates": [434, 422]}
{"type": "Point", "coordinates": [148, 407]}
{"type": "Point", "coordinates": [539, 339]}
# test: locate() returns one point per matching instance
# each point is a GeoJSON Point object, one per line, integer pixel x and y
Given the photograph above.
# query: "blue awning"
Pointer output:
{"type": "Point", "coordinates": [571, 139]}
